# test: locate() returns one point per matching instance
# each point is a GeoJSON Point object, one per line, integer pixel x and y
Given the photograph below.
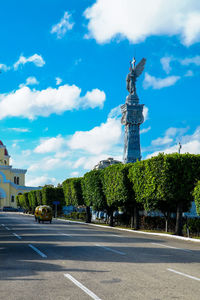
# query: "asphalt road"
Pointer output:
{"type": "Point", "coordinates": [73, 261]}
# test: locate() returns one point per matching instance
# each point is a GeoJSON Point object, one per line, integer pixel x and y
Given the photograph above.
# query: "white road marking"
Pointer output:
{"type": "Point", "coordinates": [3, 225]}
{"type": "Point", "coordinates": [19, 237]}
{"type": "Point", "coordinates": [82, 287]}
{"type": "Point", "coordinates": [115, 235]}
{"type": "Point", "coordinates": [38, 251]}
{"type": "Point", "coordinates": [66, 234]}
{"type": "Point", "coordinates": [109, 249]}
{"type": "Point", "coordinates": [183, 274]}
{"type": "Point", "coordinates": [7, 228]}
{"type": "Point", "coordinates": [186, 250]}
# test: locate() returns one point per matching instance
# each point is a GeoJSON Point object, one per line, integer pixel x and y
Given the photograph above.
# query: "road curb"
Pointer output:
{"type": "Point", "coordinates": [136, 231]}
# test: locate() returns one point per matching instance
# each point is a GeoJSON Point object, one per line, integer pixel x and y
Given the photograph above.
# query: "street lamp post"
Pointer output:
{"type": "Point", "coordinates": [179, 147]}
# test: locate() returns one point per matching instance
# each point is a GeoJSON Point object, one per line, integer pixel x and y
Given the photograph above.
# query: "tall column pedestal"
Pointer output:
{"type": "Point", "coordinates": [132, 117]}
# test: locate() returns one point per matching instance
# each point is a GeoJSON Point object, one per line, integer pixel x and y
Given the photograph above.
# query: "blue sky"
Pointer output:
{"type": "Point", "coordinates": [63, 68]}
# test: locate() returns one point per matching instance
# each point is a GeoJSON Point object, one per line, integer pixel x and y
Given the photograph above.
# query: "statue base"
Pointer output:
{"type": "Point", "coordinates": [132, 99]}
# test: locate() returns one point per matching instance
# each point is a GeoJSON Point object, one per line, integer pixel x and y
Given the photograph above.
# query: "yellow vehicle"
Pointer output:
{"type": "Point", "coordinates": [43, 213]}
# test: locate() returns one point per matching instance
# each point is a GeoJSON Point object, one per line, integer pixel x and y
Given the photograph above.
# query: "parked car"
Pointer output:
{"type": "Point", "coordinates": [9, 208]}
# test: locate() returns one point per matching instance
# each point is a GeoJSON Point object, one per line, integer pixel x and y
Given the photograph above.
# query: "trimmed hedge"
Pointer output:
{"type": "Point", "coordinates": [73, 191]}
{"type": "Point", "coordinates": [196, 195]}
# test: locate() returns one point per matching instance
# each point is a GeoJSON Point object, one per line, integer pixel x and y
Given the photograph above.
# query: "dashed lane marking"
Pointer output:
{"type": "Point", "coordinates": [183, 274]}
{"type": "Point", "coordinates": [109, 249]}
{"type": "Point", "coordinates": [171, 247]}
{"type": "Point", "coordinates": [67, 234]}
{"type": "Point", "coordinates": [38, 251]}
{"type": "Point", "coordinates": [19, 237]}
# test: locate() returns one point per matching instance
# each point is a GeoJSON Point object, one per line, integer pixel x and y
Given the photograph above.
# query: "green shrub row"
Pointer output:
{"type": "Point", "coordinates": [29, 201]}
{"type": "Point", "coordinates": [164, 183]}
{"type": "Point", "coordinates": [77, 215]}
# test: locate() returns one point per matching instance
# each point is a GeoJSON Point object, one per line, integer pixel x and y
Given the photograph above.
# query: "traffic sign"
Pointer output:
{"type": "Point", "coordinates": [56, 202]}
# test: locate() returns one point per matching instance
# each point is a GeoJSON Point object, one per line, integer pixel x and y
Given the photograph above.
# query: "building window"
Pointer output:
{"type": "Point", "coordinates": [12, 198]}
{"type": "Point", "coordinates": [17, 180]}
{"type": "Point", "coordinates": [5, 162]}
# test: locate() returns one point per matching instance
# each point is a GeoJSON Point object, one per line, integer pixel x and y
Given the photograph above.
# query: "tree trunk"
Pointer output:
{"type": "Point", "coordinates": [88, 215]}
{"type": "Point", "coordinates": [167, 215]}
{"type": "Point", "coordinates": [132, 217]}
{"type": "Point", "coordinates": [111, 219]}
{"type": "Point", "coordinates": [136, 217]}
{"type": "Point", "coordinates": [179, 223]}
{"type": "Point", "coordinates": [132, 221]}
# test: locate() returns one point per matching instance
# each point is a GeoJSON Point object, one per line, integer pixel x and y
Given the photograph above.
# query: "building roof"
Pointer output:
{"type": "Point", "coordinates": [105, 163]}
{"type": "Point", "coordinates": [3, 146]}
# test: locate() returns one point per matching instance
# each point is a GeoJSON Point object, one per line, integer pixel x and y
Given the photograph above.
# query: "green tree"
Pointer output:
{"type": "Point", "coordinates": [48, 195]}
{"type": "Point", "coordinates": [73, 191]}
{"type": "Point", "coordinates": [114, 180]}
{"type": "Point", "coordinates": [196, 195]}
{"type": "Point", "coordinates": [24, 202]}
{"type": "Point", "coordinates": [93, 192]}
{"type": "Point", "coordinates": [39, 197]}
{"type": "Point", "coordinates": [32, 200]}
{"type": "Point", "coordinates": [165, 183]}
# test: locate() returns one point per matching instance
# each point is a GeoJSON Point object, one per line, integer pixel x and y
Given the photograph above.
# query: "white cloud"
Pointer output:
{"type": "Point", "coordinates": [74, 174]}
{"type": "Point", "coordinates": [63, 153]}
{"type": "Point", "coordinates": [26, 152]}
{"type": "Point", "coordinates": [172, 134]}
{"type": "Point", "coordinates": [63, 26]}
{"type": "Point", "coordinates": [28, 103]}
{"type": "Point", "coordinates": [78, 61]}
{"type": "Point", "coordinates": [159, 83]}
{"type": "Point", "coordinates": [58, 80]}
{"type": "Point", "coordinates": [165, 62]}
{"type": "Point", "coordinates": [189, 73]}
{"type": "Point", "coordinates": [137, 20]}
{"type": "Point", "coordinates": [41, 181]}
{"type": "Point", "coordinates": [31, 81]}
{"type": "Point", "coordinates": [3, 67]}
{"type": "Point", "coordinates": [35, 59]}
{"type": "Point", "coordinates": [191, 60]}
{"type": "Point", "coordinates": [173, 131]}
{"type": "Point", "coordinates": [145, 130]}
{"type": "Point", "coordinates": [53, 144]}
{"type": "Point", "coordinates": [190, 143]}
{"type": "Point", "coordinates": [145, 113]}
{"type": "Point", "coordinates": [19, 129]}
{"type": "Point", "coordinates": [162, 141]}
{"type": "Point", "coordinates": [98, 139]}
{"type": "Point", "coordinates": [93, 99]}
{"type": "Point", "coordinates": [115, 112]}
{"type": "Point", "coordinates": [46, 164]}
{"type": "Point", "coordinates": [192, 147]}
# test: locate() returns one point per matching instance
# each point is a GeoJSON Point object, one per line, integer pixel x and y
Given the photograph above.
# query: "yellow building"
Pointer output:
{"type": "Point", "coordinates": [12, 181]}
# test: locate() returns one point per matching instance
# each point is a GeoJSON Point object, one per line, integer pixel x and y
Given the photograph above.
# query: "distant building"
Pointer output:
{"type": "Point", "coordinates": [12, 181]}
{"type": "Point", "coordinates": [106, 163]}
